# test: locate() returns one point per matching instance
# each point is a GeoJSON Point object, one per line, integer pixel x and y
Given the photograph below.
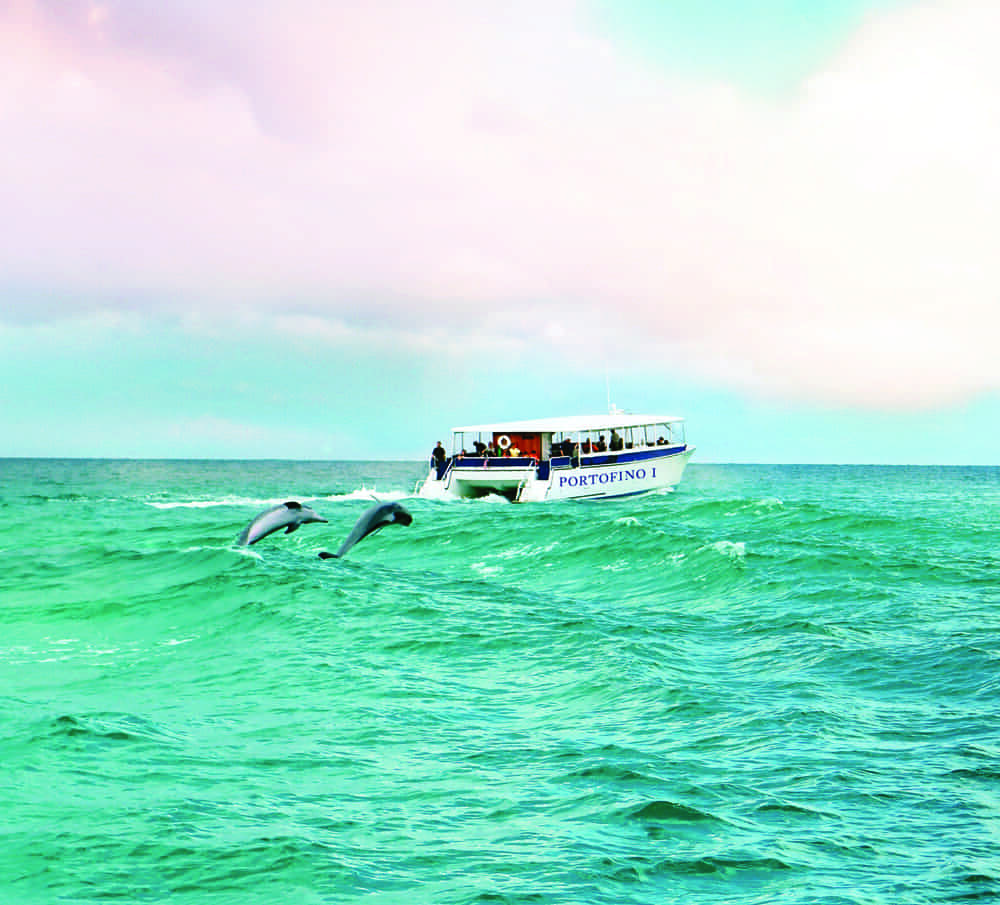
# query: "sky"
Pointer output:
{"type": "Point", "coordinates": [324, 229]}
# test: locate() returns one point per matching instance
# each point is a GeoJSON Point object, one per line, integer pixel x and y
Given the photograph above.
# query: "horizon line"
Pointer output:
{"type": "Point", "coordinates": [423, 459]}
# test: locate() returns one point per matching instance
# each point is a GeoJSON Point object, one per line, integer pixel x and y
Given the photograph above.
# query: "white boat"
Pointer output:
{"type": "Point", "coordinates": [581, 457]}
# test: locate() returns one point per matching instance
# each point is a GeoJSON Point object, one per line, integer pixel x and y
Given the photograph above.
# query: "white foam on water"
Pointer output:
{"type": "Point", "coordinates": [731, 549]}
{"type": "Point", "coordinates": [225, 501]}
{"type": "Point", "coordinates": [369, 494]}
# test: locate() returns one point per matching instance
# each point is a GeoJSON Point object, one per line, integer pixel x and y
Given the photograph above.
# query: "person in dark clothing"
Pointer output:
{"type": "Point", "coordinates": [438, 457]}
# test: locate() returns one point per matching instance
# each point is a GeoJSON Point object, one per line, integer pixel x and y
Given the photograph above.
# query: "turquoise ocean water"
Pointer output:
{"type": "Point", "coordinates": [774, 685]}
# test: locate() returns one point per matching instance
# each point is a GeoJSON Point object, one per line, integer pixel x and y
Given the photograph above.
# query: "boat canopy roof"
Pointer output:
{"type": "Point", "coordinates": [570, 424]}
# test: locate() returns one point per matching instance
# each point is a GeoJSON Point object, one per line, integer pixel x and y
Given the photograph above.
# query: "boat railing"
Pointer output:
{"type": "Point", "coordinates": [580, 458]}
{"type": "Point", "coordinates": [632, 455]}
{"type": "Point", "coordinates": [493, 462]}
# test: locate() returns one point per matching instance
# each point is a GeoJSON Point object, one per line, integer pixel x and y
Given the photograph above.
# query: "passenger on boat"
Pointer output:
{"type": "Point", "coordinates": [438, 456]}
{"type": "Point", "coordinates": [587, 448]}
{"type": "Point", "coordinates": [601, 446]}
{"type": "Point", "coordinates": [616, 441]}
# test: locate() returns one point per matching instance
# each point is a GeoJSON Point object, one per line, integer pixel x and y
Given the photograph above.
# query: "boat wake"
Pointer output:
{"type": "Point", "coordinates": [368, 495]}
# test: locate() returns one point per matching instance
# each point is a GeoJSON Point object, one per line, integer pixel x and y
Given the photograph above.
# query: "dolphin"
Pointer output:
{"type": "Point", "coordinates": [288, 516]}
{"type": "Point", "coordinates": [372, 520]}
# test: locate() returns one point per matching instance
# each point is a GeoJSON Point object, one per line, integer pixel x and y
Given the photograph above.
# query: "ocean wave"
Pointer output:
{"type": "Point", "coordinates": [232, 501]}
{"type": "Point", "coordinates": [720, 865]}
{"type": "Point", "coordinates": [362, 494]}
{"type": "Point", "coordinates": [118, 727]}
{"type": "Point", "coordinates": [735, 550]}
{"type": "Point", "coordinates": [661, 811]}
{"type": "Point", "coordinates": [368, 495]}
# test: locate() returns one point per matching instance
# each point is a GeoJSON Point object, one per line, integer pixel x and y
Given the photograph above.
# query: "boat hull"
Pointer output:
{"type": "Point", "coordinates": [595, 477]}
{"type": "Point", "coordinates": [611, 479]}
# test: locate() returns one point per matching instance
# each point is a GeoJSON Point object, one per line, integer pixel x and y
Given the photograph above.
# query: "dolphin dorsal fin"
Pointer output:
{"type": "Point", "coordinates": [292, 504]}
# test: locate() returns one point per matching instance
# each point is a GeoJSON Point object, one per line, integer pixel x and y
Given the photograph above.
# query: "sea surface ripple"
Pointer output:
{"type": "Point", "coordinates": [777, 684]}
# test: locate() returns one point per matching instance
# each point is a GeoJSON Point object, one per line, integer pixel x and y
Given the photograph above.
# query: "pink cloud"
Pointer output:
{"type": "Point", "coordinates": [517, 176]}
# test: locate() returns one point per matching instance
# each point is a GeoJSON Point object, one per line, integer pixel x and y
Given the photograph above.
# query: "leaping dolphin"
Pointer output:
{"type": "Point", "coordinates": [288, 516]}
{"type": "Point", "coordinates": [374, 519]}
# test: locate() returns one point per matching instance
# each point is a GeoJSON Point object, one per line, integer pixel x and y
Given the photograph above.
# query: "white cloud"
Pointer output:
{"type": "Point", "coordinates": [518, 180]}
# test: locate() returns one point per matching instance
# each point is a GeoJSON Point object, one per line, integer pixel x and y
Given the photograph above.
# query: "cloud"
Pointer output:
{"type": "Point", "coordinates": [516, 179]}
